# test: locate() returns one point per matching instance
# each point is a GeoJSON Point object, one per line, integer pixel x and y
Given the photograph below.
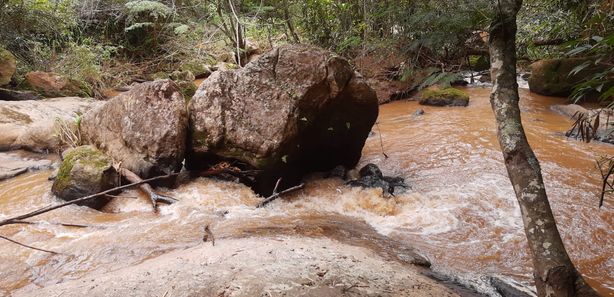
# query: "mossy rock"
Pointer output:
{"type": "Point", "coordinates": [187, 89]}
{"type": "Point", "coordinates": [550, 77]}
{"type": "Point", "coordinates": [184, 75]}
{"type": "Point", "coordinates": [85, 171]}
{"type": "Point", "coordinates": [444, 97]}
{"type": "Point", "coordinates": [160, 75]}
{"type": "Point", "coordinates": [198, 69]}
{"type": "Point", "coordinates": [8, 66]}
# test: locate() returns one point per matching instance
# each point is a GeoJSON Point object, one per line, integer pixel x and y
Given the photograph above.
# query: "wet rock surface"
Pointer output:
{"type": "Point", "coordinates": [145, 128]}
{"type": "Point", "coordinates": [327, 268]}
{"type": "Point", "coordinates": [551, 77]}
{"type": "Point", "coordinates": [18, 162]}
{"type": "Point", "coordinates": [372, 177]}
{"type": "Point", "coordinates": [85, 171]}
{"type": "Point", "coordinates": [31, 125]}
{"type": "Point", "coordinates": [296, 109]}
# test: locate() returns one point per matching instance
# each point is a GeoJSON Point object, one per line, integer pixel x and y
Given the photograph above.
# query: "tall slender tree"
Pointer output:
{"type": "Point", "coordinates": [554, 273]}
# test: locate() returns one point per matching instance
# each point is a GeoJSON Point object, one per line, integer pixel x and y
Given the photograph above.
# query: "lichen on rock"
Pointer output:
{"type": "Point", "coordinates": [84, 171]}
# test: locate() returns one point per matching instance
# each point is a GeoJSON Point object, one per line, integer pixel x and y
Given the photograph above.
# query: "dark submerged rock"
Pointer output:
{"type": "Point", "coordinates": [372, 177]}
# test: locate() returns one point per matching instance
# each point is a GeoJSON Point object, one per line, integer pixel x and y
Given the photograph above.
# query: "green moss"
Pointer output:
{"type": "Point", "coordinates": [86, 156]}
{"type": "Point", "coordinates": [80, 88]}
{"type": "Point", "coordinates": [160, 75]}
{"type": "Point", "coordinates": [7, 66]}
{"type": "Point", "coordinates": [232, 66]}
{"type": "Point", "coordinates": [185, 75]}
{"type": "Point", "coordinates": [447, 93]}
{"type": "Point", "coordinates": [5, 55]}
{"type": "Point", "coordinates": [195, 67]}
{"type": "Point", "coordinates": [479, 63]}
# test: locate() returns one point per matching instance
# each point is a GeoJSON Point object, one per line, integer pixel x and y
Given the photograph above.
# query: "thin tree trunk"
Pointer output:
{"type": "Point", "coordinates": [288, 20]}
{"type": "Point", "coordinates": [554, 273]}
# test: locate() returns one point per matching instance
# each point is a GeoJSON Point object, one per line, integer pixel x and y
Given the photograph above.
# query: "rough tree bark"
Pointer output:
{"type": "Point", "coordinates": [554, 273]}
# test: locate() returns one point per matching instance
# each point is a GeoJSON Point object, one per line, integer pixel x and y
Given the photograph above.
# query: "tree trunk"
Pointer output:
{"type": "Point", "coordinates": [554, 273]}
{"type": "Point", "coordinates": [288, 20]}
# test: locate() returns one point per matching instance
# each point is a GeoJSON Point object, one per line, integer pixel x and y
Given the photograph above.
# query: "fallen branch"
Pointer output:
{"type": "Point", "coordinates": [606, 169]}
{"type": "Point", "coordinates": [381, 142]}
{"type": "Point", "coordinates": [52, 223]}
{"type": "Point", "coordinates": [544, 42]}
{"type": "Point", "coordinates": [154, 197]}
{"type": "Point", "coordinates": [276, 195]}
{"type": "Point", "coordinates": [15, 220]}
{"type": "Point", "coordinates": [27, 246]}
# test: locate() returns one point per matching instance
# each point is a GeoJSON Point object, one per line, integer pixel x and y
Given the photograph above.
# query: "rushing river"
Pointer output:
{"type": "Point", "coordinates": [461, 212]}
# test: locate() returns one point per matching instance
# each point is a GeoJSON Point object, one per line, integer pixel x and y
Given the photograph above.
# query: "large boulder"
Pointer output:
{"type": "Point", "coordinates": [7, 66]}
{"type": "Point", "coordinates": [145, 128]}
{"type": "Point", "coordinates": [85, 171]}
{"type": "Point", "coordinates": [551, 77]}
{"type": "Point", "coordinates": [444, 97]}
{"type": "Point", "coordinates": [34, 125]}
{"type": "Point", "coordinates": [51, 84]}
{"type": "Point", "coordinates": [295, 110]}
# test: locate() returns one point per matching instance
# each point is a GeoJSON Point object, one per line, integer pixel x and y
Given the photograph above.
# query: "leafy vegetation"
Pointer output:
{"type": "Point", "coordinates": [108, 43]}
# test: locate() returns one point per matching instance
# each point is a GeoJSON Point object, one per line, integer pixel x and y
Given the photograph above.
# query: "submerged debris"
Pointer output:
{"type": "Point", "coordinates": [371, 177]}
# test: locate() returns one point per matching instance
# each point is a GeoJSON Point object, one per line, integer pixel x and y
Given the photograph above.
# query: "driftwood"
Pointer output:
{"type": "Point", "coordinates": [13, 95]}
{"type": "Point", "coordinates": [154, 197]}
{"type": "Point", "coordinates": [276, 194]}
{"type": "Point", "coordinates": [18, 219]}
{"type": "Point", "coordinates": [544, 42]}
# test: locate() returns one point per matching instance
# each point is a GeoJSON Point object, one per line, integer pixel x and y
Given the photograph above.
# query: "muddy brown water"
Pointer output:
{"type": "Point", "coordinates": [461, 212]}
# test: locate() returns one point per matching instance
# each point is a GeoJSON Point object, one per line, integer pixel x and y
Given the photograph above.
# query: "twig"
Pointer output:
{"type": "Point", "coordinates": [276, 185]}
{"type": "Point", "coordinates": [49, 208]}
{"type": "Point", "coordinates": [381, 142]}
{"type": "Point", "coordinates": [116, 196]}
{"type": "Point", "coordinates": [27, 246]}
{"type": "Point", "coordinates": [276, 195]}
{"type": "Point", "coordinates": [52, 223]}
{"type": "Point", "coordinates": [605, 171]}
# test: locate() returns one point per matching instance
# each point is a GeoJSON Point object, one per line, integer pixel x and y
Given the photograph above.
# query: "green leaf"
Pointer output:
{"type": "Point", "coordinates": [607, 94]}
{"type": "Point", "coordinates": [579, 68]}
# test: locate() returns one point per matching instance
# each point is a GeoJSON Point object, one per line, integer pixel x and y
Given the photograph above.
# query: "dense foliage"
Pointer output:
{"type": "Point", "coordinates": [110, 42]}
